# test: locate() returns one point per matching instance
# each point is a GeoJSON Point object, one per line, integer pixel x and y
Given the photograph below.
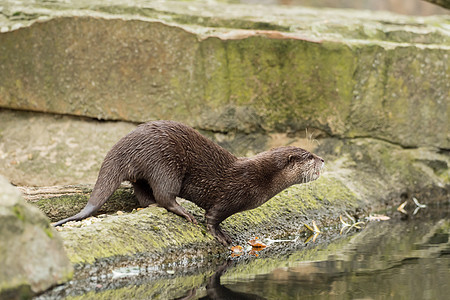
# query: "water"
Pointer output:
{"type": "Point", "coordinates": [403, 258]}
{"type": "Point", "coordinates": [395, 259]}
{"type": "Point", "coordinates": [382, 274]}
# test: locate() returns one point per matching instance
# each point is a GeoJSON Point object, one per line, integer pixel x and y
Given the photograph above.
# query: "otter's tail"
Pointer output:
{"type": "Point", "coordinates": [103, 189]}
{"type": "Point", "coordinates": [87, 211]}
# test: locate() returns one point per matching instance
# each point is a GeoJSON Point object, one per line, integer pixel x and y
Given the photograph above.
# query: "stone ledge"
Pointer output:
{"type": "Point", "coordinates": [347, 73]}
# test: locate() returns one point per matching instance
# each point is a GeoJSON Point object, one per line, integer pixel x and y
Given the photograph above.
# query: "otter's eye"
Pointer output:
{"type": "Point", "coordinates": [291, 158]}
{"type": "Point", "coordinates": [310, 156]}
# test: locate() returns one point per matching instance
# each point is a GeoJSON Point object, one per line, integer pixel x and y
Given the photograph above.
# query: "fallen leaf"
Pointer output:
{"type": "Point", "coordinates": [313, 237]}
{"type": "Point", "coordinates": [418, 204]}
{"type": "Point", "coordinates": [401, 208]}
{"type": "Point", "coordinates": [316, 229]}
{"type": "Point", "coordinates": [307, 226]}
{"type": "Point", "coordinates": [256, 243]}
{"type": "Point", "coordinates": [236, 251]}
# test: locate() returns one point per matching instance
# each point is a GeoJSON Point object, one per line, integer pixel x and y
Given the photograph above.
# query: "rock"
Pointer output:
{"type": "Point", "coordinates": [45, 150]}
{"type": "Point", "coordinates": [32, 257]}
{"type": "Point", "coordinates": [231, 67]}
{"type": "Point", "coordinates": [443, 3]}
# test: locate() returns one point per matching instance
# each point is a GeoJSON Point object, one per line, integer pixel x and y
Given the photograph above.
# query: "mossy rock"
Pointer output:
{"type": "Point", "coordinates": [374, 75]}
{"type": "Point", "coordinates": [32, 257]}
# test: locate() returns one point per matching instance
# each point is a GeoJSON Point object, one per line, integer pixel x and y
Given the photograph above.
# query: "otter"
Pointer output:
{"type": "Point", "coordinates": [166, 159]}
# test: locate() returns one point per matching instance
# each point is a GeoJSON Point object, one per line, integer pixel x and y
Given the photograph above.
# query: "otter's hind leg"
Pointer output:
{"type": "Point", "coordinates": [166, 197]}
{"type": "Point", "coordinates": [143, 192]}
{"type": "Point", "coordinates": [213, 219]}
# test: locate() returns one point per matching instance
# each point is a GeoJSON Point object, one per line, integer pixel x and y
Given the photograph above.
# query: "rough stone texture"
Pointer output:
{"type": "Point", "coordinates": [43, 150]}
{"type": "Point", "coordinates": [361, 173]}
{"type": "Point", "coordinates": [443, 3]}
{"type": "Point", "coordinates": [32, 256]}
{"type": "Point", "coordinates": [225, 68]}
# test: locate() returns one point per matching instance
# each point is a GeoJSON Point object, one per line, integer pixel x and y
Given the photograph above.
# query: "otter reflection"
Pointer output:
{"type": "Point", "coordinates": [215, 290]}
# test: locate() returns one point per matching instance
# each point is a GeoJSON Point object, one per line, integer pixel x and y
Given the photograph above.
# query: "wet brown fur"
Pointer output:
{"type": "Point", "coordinates": [166, 159]}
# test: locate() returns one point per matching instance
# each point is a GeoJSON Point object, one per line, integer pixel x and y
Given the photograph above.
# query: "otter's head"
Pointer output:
{"type": "Point", "coordinates": [299, 165]}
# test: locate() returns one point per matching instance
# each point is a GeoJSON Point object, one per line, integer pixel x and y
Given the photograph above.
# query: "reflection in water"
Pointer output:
{"type": "Point", "coordinates": [395, 260]}
{"type": "Point", "coordinates": [214, 290]}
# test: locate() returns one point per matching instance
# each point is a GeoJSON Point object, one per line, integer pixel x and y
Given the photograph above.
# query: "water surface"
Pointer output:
{"type": "Point", "coordinates": [403, 258]}
{"type": "Point", "coordinates": [396, 259]}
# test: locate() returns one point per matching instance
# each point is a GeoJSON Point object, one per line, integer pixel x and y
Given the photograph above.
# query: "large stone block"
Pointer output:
{"type": "Point", "coordinates": [32, 257]}
{"type": "Point", "coordinates": [250, 69]}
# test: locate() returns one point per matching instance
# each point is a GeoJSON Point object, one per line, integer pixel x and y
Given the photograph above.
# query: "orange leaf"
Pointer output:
{"type": "Point", "coordinates": [257, 244]}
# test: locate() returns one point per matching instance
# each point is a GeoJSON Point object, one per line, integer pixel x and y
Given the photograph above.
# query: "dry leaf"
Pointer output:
{"type": "Point", "coordinates": [256, 243]}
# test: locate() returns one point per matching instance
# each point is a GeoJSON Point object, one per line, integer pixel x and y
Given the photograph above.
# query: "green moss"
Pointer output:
{"type": "Point", "coordinates": [274, 82]}
{"type": "Point", "coordinates": [57, 208]}
{"type": "Point", "coordinates": [49, 232]}
{"type": "Point", "coordinates": [366, 169]}
{"type": "Point", "coordinates": [299, 200]}
{"type": "Point", "coordinates": [445, 177]}
{"type": "Point", "coordinates": [129, 234]}
{"type": "Point", "coordinates": [64, 206]}
{"type": "Point", "coordinates": [257, 72]}
{"type": "Point", "coordinates": [260, 72]}
{"type": "Point", "coordinates": [21, 292]}
{"type": "Point", "coordinates": [213, 64]}
{"type": "Point", "coordinates": [326, 190]}
{"type": "Point", "coordinates": [153, 229]}
{"type": "Point", "coordinates": [391, 106]}
{"type": "Point", "coordinates": [18, 212]}
{"type": "Point", "coordinates": [331, 190]}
